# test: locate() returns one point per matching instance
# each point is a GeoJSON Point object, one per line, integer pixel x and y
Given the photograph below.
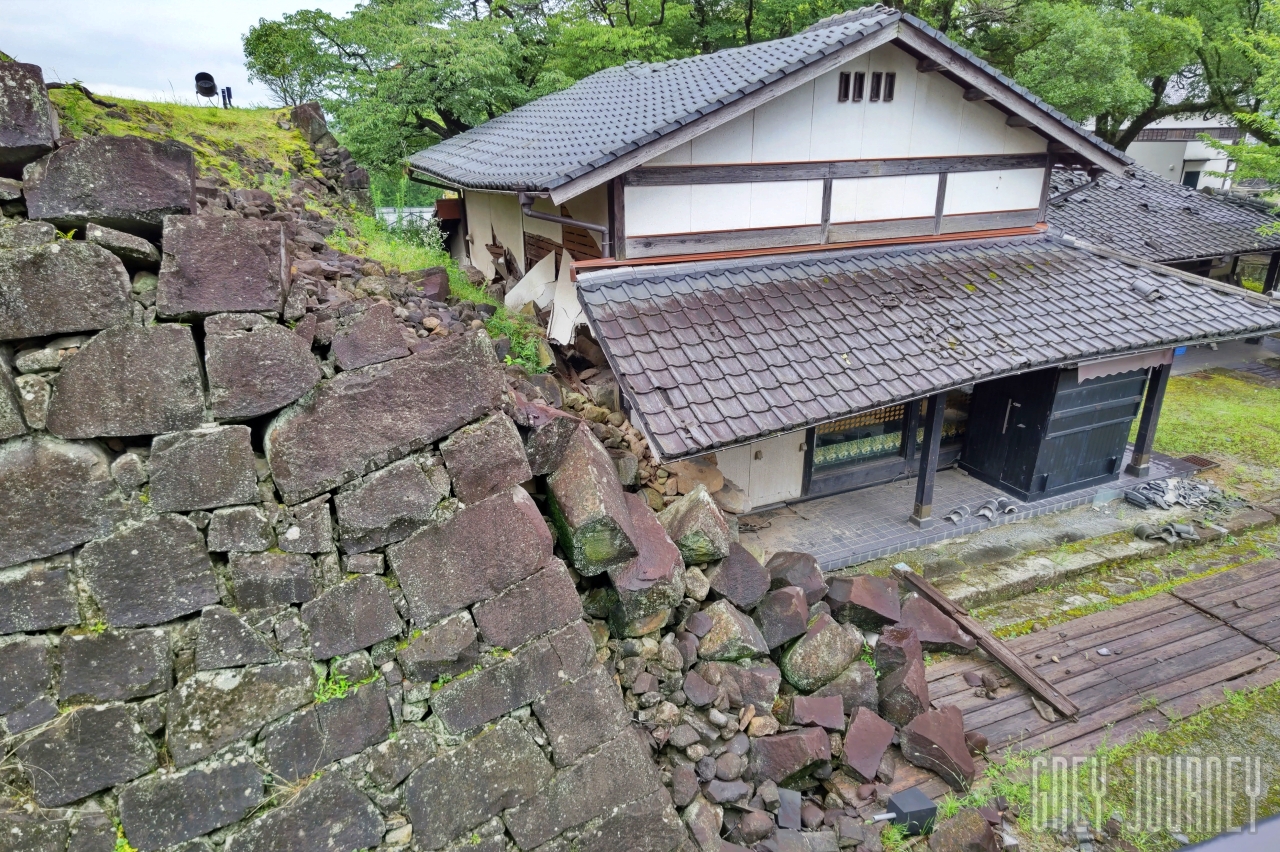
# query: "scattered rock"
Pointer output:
{"type": "Point", "coordinates": [697, 526]}
{"type": "Point", "coordinates": [865, 744]}
{"type": "Point", "coordinates": [739, 578]}
{"type": "Point", "coordinates": [733, 636]}
{"type": "Point", "coordinates": [587, 504]}
{"type": "Point", "coordinates": [652, 581]}
{"type": "Point", "coordinates": [868, 601]}
{"type": "Point", "coordinates": [897, 646]}
{"type": "Point", "coordinates": [967, 831]}
{"type": "Point", "coordinates": [935, 630]}
{"type": "Point", "coordinates": [904, 694]}
{"type": "Point", "coordinates": [789, 568]}
{"type": "Point", "coordinates": [823, 711]}
{"type": "Point", "coordinates": [826, 650]}
{"type": "Point", "coordinates": [783, 758]}
{"type": "Point", "coordinates": [856, 687]}
{"type": "Point", "coordinates": [782, 616]}
{"type": "Point", "coordinates": [935, 740]}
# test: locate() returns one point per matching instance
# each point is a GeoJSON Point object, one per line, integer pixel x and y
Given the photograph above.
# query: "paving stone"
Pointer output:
{"type": "Point", "coordinates": [646, 825]}
{"type": "Point", "coordinates": [202, 469]}
{"type": "Point", "coordinates": [28, 124]}
{"type": "Point", "coordinates": [865, 744]}
{"type": "Point", "coordinates": [306, 527]}
{"type": "Point", "coordinates": [256, 371]}
{"type": "Point", "coordinates": [904, 694]}
{"type": "Point", "coordinates": [698, 527]}
{"type": "Point", "coordinates": [133, 251]}
{"type": "Point", "coordinates": [90, 749]}
{"type": "Point", "coordinates": [967, 831]}
{"type": "Point", "coordinates": [529, 674]}
{"type": "Point", "coordinates": [369, 337]}
{"type": "Point", "coordinates": [391, 761]}
{"type": "Point", "coordinates": [746, 682]}
{"type": "Point", "coordinates": [653, 580]}
{"type": "Point", "coordinates": [26, 671]}
{"type": "Point", "coordinates": [935, 630]}
{"type": "Point", "coordinates": [485, 458]}
{"type": "Point", "coordinates": [226, 641]}
{"type": "Point", "coordinates": [210, 710]}
{"type": "Point", "coordinates": [306, 742]}
{"type": "Point", "coordinates": [368, 418]}
{"type": "Point", "coordinates": [733, 635]}
{"type": "Point", "coordinates": [783, 615]}
{"type": "Point", "coordinates": [160, 811]}
{"type": "Point", "coordinates": [35, 597]}
{"type": "Point", "coordinates": [499, 769]}
{"type": "Point", "coordinates": [897, 646]}
{"type": "Point", "coordinates": [544, 602]}
{"type": "Point", "coordinates": [59, 288]}
{"type": "Point", "coordinates": [856, 687]}
{"type": "Point", "coordinates": [817, 658]}
{"type": "Point", "coordinates": [935, 740]}
{"type": "Point", "coordinates": [446, 648]}
{"type": "Point", "coordinates": [739, 578]}
{"type": "Point", "coordinates": [123, 182]}
{"type": "Point", "coordinates": [56, 495]}
{"type": "Point", "coordinates": [581, 714]}
{"type": "Point", "coordinates": [243, 529]}
{"type": "Point", "coordinates": [269, 579]}
{"type": "Point", "coordinates": [825, 711]}
{"type": "Point", "coordinates": [585, 499]}
{"type": "Point", "coordinates": [784, 757]}
{"type": "Point", "coordinates": [620, 771]}
{"type": "Point", "coordinates": [352, 615]}
{"type": "Point", "coordinates": [214, 265]}
{"type": "Point", "coordinates": [115, 665]}
{"type": "Point", "coordinates": [129, 380]}
{"type": "Point", "coordinates": [390, 504]}
{"type": "Point", "coordinates": [472, 556]}
{"type": "Point", "coordinates": [867, 601]}
{"type": "Point", "coordinates": [164, 555]}
{"type": "Point", "coordinates": [329, 815]}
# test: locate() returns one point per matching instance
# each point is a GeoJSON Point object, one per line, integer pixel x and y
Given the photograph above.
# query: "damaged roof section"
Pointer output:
{"type": "Point", "coordinates": [1147, 216]}
{"type": "Point", "coordinates": [718, 353]}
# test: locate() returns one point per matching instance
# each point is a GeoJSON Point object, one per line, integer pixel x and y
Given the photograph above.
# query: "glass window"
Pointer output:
{"type": "Point", "coordinates": [875, 434]}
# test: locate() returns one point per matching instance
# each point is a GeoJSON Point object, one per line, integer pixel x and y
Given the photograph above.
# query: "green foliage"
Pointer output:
{"type": "Point", "coordinates": [283, 59]}
{"type": "Point", "coordinates": [330, 687]}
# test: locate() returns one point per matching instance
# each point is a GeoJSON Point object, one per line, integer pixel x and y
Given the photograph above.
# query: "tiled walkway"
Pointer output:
{"type": "Point", "coordinates": [858, 526]}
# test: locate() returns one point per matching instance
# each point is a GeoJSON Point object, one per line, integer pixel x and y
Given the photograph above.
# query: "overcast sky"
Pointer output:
{"type": "Point", "coordinates": [144, 49]}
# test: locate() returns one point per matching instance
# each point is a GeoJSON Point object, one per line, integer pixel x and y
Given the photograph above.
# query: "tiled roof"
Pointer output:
{"type": "Point", "coordinates": [565, 135]}
{"type": "Point", "coordinates": [1149, 217]}
{"type": "Point", "coordinates": [716, 353]}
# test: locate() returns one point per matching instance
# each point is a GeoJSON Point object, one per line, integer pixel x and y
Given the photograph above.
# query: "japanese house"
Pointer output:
{"type": "Point", "coordinates": [830, 260]}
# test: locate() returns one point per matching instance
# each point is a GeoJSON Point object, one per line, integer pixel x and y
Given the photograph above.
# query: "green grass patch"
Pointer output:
{"type": "Point", "coordinates": [1216, 413]}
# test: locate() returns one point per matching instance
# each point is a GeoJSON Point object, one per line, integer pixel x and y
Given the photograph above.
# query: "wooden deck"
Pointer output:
{"type": "Point", "coordinates": [1172, 655]}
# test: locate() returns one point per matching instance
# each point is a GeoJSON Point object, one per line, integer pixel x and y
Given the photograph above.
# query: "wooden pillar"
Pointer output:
{"type": "Point", "coordinates": [1273, 268]}
{"type": "Point", "coordinates": [910, 425]}
{"type": "Point", "coordinates": [1140, 464]}
{"type": "Point", "coordinates": [922, 515]}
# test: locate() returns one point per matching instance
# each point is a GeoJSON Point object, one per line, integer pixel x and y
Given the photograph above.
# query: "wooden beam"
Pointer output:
{"type": "Point", "coordinates": [975, 95]}
{"type": "Point", "coordinates": [826, 209]}
{"type": "Point", "coordinates": [922, 514]}
{"type": "Point", "coordinates": [618, 216]}
{"type": "Point", "coordinates": [910, 425]}
{"type": "Point", "coordinates": [993, 646]}
{"type": "Point", "coordinates": [1046, 187]}
{"type": "Point", "coordinates": [940, 203]}
{"type": "Point", "coordinates": [925, 66]}
{"type": "Point", "coordinates": [1140, 463]}
{"type": "Point", "coordinates": [1273, 268]}
{"type": "Point", "coordinates": [1018, 121]}
{"type": "Point", "coordinates": [833, 169]}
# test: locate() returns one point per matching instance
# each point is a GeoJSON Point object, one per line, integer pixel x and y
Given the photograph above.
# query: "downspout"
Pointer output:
{"type": "Point", "coordinates": [526, 207]}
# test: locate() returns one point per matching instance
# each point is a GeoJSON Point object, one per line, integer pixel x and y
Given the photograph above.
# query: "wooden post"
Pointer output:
{"type": "Point", "coordinates": [910, 424]}
{"type": "Point", "coordinates": [922, 515]}
{"type": "Point", "coordinates": [618, 217]}
{"type": "Point", "coordinates": [1273, 268]}
{"type": "Point", "coordinates": [1140, 464]}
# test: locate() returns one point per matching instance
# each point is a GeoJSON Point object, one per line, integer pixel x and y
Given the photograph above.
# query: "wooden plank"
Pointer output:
{"type": "Point", "coordinates": [1213, 695]}
{"type": "Point", "coordinates": [1126, 650]}
{"type": "Point", "coordinates": [940, 203]}
{"type": "Point", "coordinates": [1265, 600]}
{"type": "Point", "coordinates": [1174, 647]}
{"type": "Point", "coordinates": [995, 220]}
{"type": "Point", "coordinates": [1097, 621]}
{"type": "Point", "coordinates": [1133, 628]}
{"type": "Point", "coordinates": [1211, 678]}
{"type": "Point", "coordinates": [1225, 579]}
{"type": "Point", "coordinates": [750, 238]}
{"type": "Point", "coordinates": [1114, 734]}
{"type": "Point", "coordinates": [1239, 592]}
{"type": "Point", "coordinates": [955, 665]}
{"type": "Point", "coordinates": [844, 232]}
{"type": "Point", "coordinates": [827, 170]}
{"type": "Point", "coordinates": [1186, 664]}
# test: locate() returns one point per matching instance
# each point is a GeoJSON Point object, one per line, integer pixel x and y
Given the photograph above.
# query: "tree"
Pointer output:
{"type": "Point", "coordinates": [285, 60]}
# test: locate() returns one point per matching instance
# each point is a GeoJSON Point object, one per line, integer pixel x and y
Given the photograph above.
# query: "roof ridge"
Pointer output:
{"type": "Point", "coordinates": [845, 17]}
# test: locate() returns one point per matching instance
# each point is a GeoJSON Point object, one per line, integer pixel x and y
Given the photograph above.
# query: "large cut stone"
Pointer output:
{"type": "Point", "coordinates": [11, 420]}
{"type": "Point", "coordinates": [351, 616]}
{"type": "Point", "coordinates": [865, 743]}
{"type": "Point", "coordinates": [581, 715]}
{"type": "Point", "coordinates": [331, 730]}
{"type": "Point", "coordinates": [36, 832]}
{"type": "Point", "coordinates": [86, 750]}
{"type": "Point", "coordinates": [647, 825]}
{"type": "Point", "coordinates": [485, 458]}
{"type": "Point", "coordinates": [546, 446]}
{"type": "Point", "coordinates": [935, 630]}
{"type": "Point", "coordinates": [307, 527]}
{"type": "Point", "coordinates": [28, 125]}
{"type": "Point", "coordinates": [55, 495]}
{"type": "Point", "coordinates": [782, 616]}
{"type": "Point", "coordinates": [115, 665]}
{"type": "Point", "coordinates": [967, 831]}
{"type": "Point", "coordinates": [586, 501]}
{"type": "Point", "coordinates": [620, 771]}
{"type": "Point", "coordinates": [202, 469]}
{"type": "Point", "coordinates": [59, 288]}
{"type": "Point", "coordinates": [388, 505]}
{"type": "Point", "coordinates": [754, 682]}
{"type": "Point", "coordinates": [786, 756]}
{"type": "Point", "coordinates": [739, 578]}
{"type": "Point", "coordinates": [270, 579]}
{"type": "Point", "coordinates": [329, 815]}
{"type": "Point", "coordinates": [867, 601]}
{"type": "Point", "coordinates": [369, 337]}
{"type": "Point", "coordinates": [240, 529]}
{"type": "Point", "coordinates": [733, 635]}
{"type": "Point", "coordinates": [163, 810]}
{"type": "Point", "coordinates": [789, 568]}
{"type": "Point", "coordinates": [26, 671]}
{"type": "Point", "coordinates": [22, 234]}
{"type": "Point", "coordinates": [36, 597]}
{"type": "Point", "coordinates": [367, 418]}
{"type": "Point", "coordinates": [212, 264]}
{"type": "Point", "coordinates": [124, 182]}
{"type": "Point", "coordinates": [935, 740]}
{"type": "Point", "coordinates": [256, 371]}
{"type": "Point", "coordinates": [544, 602]}
{"type": "Point", "coordinates": [164, 555]}
{"type": "Point", "coordinates": [129, 380]}
{"type": "Point", "coordinates": [136, 252]}
{"type": "Point", "coordinates": [653, 580]}
{"type": "Point", "coordinates": [697, 526]}
{"type": "Point", "coordinates": [856, 687]}
{"type": "Point", "coordinates": [474, 555]}
{"type": "Point", "coordinates": [444, 649]}
{"type": "Point", "coordinates": [529, 674]}
{"type": "Point", "coordinates": [390, 762]}
{"type": "Point", "coordinates": [822, 653]}
{"type": "Point", "coordinates": [497, 770]}
{"type": "Point", "coordinates": [226, 641]}
{"type": "Point", "coordinates": [904, 695]}
{"type": "Point", "coordinates": [210, 710]}
{"type": "Point", "coordinates": [898, 645]}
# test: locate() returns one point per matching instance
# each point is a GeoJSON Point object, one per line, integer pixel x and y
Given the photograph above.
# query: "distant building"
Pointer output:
{"type": "Point", "coordinates": [1172, 148]}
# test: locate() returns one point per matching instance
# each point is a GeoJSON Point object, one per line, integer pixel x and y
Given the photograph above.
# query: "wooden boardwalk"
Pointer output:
{"type": "Point", "coordinates": [1171, 655]}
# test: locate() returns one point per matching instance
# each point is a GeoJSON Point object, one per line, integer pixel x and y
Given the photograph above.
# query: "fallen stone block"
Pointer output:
{"type": "Point", "coordinates": [352, 615]}
{"type": "Point", "coordinates": [935, 740]}
{"type": "Point", "coordinates": [210, 710]}
{"type": "Point", "coordinates": [36, 597]}
{"type": "Point", "coordinates": [754, 682]}
{"type": "Point", "coordinates": [310, 740]}
{"type": "Point", "coordinates": [824, 711]}
{"type": "Point", "coordinates": [26, 671]}
{"type": "Point", "coordinates": [444, 649]}
{"type": "Point", "coordinates": [485, 458]}
{"type": "Point", "coordinates": [115, 665]}
{"type": "Point", "coordinates": [226, 641]}
{"type": "Point", "coordinates": [123, 182]}
{"type": "Point", "coordinates": [28, 124]}
{"type": "Point", "coordinates": [547, 445]}
{"type": "Point", "coordinates": [935, 630]}
{"type": "Point", "coordinates": [306, 527]}
{"type": "Point", "coordinates": [330, 814]}
{"type": "Point", "coordinates": [904, 695]}
{"type": "Point", "coordinates": [739, 578]}
{"type": "Point", "coordinates": [388, 505]}
{"type": "Point", "coordinates": [786, 757]}
{"type": "Point", "coordinates": [89, 749]}
{"type": "Point", "coordinates": [865, 743]}
{"type": "Point", "coordinates": [733, 635]}
{"type": "Point", "coordinates": [581, 715]}
{"type": "Point", "coordinates": [369, 337]}
{"type": "Point", "coordinates": [782, 616]}
{"type": "Point", "coordinates": [646, 825]}
{"type": "Point", "coordinates": [163, 810]}
{"type": "Point", "coordinates": [129, 380]}
{"type": "Point", "coordinates": [242, 529]}
{"type": "Point", "coordinates": [866, 601]}
{"type": "Point", "coordinates": [897, 646]}
{"type": "Point", "coordinates": [826, 649]}
{"type": "Point", "coordinates": [697, 526]}
{"type": "Point", "coordinates": [165, 555]}
{"type": "Point", "coordinates": [856, 687]}
{"type": "Point", "coordinates": [967, 831]}
{"type": "Point", "coordinates": [653, 580]}
{"type": "Point", "coordinates": [544, 602]}
{"type": "Point", "coordinates": [134, 252]}
{"type": "Point", "coordinates": [481, 550]}
{"type": "Point", "coordinates": [368, 418]}
{"type": "Point", "coordinates": [61, 287]}
{"type": "Point", "coordinates": [202, 469]}
{"type": "Point", "coordinates": [258, 370]}
{"type": "Point", "coordinates": [216, 265]}
{"type": "Point", "coordinates": [270, 579]}
{"type": "Point", "coordinates": [587, 504]}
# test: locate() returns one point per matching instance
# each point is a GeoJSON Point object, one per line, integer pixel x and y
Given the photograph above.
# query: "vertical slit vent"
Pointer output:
{"type": "Point", "coordinates": [890, 83]}
{"type": "Point", "coordinates": [859, 83]}
{"type": "Point", "coordinates": [876, 79]}
{"type": "Point", "coordinates": [842, 93]}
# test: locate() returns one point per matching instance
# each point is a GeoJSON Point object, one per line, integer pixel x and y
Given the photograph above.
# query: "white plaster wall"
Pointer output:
{"type": "Point", "coordinates": [983, 192]}
{"type": "Point", "coordinates": [873, 199]}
